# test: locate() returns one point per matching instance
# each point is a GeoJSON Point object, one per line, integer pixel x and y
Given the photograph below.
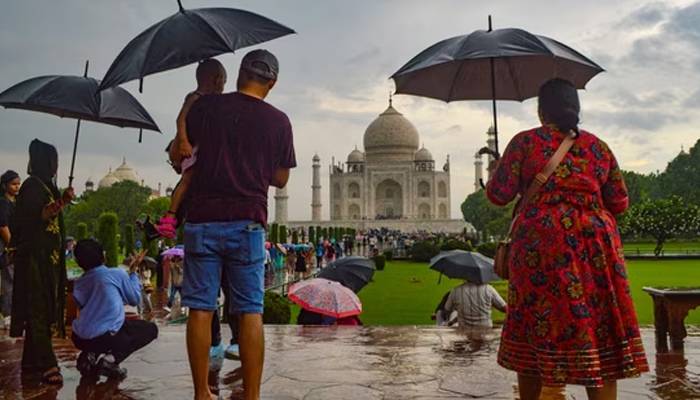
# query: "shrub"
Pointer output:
{"type": "Point", "coordinates": [455, 244]}
{"type": "Point", "coordinates": [312, 234]}
{"type": "Point", "coordinates": [295, 237]}
{"type": "Point", "coordinates": [128, 239]}
{"type": "Point", "coordinates": [424, 251]}
{"type": "Point", "coordinates": [277, 309]}
{"type": "Point", "coordinates": [379, 262]}
{"type": "Point", "coordinates": [388, 254]}
{"type": "Point", "coordinates": [108, 223]}
{"type": "Point", "coordinates": [487, 249]}
{"type": "Point", "coordinates": [81, 231]}
{"type": "Point", "coordinates": [282, 234]}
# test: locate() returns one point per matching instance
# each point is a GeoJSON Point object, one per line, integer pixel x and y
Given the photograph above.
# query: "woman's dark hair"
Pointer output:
{"type": "Point", "coordinates": [6, 178]}
{"type": "Point", "coordinates": [89, 254]}
{"type": "Point", "coordinates": [43, 162]}
{"type": "Point", "coordinates": [559, 104]}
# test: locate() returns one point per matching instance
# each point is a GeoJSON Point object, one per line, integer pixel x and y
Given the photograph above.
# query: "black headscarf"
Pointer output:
{"type": "Point", "coordinates": [43, 163]}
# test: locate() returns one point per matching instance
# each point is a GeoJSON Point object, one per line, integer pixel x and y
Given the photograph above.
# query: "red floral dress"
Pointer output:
{"type": "Point", "coordinates": [570, 317]}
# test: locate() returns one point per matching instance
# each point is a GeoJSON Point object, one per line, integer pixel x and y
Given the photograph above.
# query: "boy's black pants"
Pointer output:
{"type": "Point", "coordinates": [133, 335]}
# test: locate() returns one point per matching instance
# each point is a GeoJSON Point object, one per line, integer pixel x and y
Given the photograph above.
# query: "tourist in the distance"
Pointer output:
{"type": "Point", "coordinates": [40, 268]}
{"type": "Point", "coordinates": [244, 146]}
{"type": "Point", "coordinates": [473, 303]}
{"type": "Point", "coordinates": [570, 316]}
{"type": "Point", "coordinates": [101, 332]}
{"type": "Point", "coordinates": [9, 187]}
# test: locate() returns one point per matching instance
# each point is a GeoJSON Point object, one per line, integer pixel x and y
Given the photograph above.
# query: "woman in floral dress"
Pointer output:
{"type": "Point", "coordinates": [40, 265]}
{"type": "Point", "coordinates": [570, 317]}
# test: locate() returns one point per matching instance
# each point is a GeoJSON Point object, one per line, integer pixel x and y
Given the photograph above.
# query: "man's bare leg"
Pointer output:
{"type": "Point", "coordinates": [252, 347]}
{"type": "Point", "coordinates": [198, 343]}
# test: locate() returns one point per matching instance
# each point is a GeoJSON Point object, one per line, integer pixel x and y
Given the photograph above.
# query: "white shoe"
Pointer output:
{"type": "Point", "coordinates": [233, 352]}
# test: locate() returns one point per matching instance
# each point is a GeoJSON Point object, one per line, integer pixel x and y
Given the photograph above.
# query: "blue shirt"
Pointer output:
{"type": "Point", "coordinates": [101, 294]}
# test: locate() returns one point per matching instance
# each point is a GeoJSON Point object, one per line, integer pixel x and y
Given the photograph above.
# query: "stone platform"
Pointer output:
{"type": "Point", "coordinates": [334, 363]}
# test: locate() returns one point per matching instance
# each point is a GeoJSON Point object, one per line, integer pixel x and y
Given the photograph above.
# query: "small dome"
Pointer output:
{"type": "Point", "coordinates": [89, 183]}
{"type": "Point", "coordinates": [316, 158]}
{"type": "Point", "coordinates": [391, 136]}
{"type": "Point", "coordinates": [126, 173]}
{"type": "Point", "coordinates": [108, 180]}
{"type": "Point", "coordinates": [356, 156]}
{"type": "Point", "coordinates": [424, 155]}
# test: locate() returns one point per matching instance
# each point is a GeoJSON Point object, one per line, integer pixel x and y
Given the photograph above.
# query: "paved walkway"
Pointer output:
{"type": "Point", "coordinates": [344, 363]}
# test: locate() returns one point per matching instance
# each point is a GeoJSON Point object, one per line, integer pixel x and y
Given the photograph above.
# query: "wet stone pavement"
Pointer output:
{"type": "Point", "coordinates": [343, 363]}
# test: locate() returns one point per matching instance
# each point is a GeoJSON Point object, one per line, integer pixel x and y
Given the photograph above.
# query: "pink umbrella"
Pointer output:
{"type": "Point", "coordinates": [174, 252]}
{"type": "Point", "coordinates": [325, 297]}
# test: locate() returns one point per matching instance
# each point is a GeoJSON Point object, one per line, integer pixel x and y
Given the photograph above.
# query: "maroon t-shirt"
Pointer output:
{"type": "Point", "coordinates": [241, 142]}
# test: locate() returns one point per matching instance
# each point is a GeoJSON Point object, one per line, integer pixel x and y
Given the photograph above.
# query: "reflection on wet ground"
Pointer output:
{"type": "Point", "coordinates": [344, 363]}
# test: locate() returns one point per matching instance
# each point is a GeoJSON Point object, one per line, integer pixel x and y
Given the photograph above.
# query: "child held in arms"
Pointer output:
{"type": "Point", "coordinates": [211, 78]}
{"type": "Point", "coordinates": [101, 332]}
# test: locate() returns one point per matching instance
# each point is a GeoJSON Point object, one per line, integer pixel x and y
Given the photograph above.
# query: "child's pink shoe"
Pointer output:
{"type": "Point", "coordinates": [166, 227]}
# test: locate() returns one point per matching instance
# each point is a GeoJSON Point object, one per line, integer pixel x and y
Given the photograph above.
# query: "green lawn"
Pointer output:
{"type": "Point", "coordinates": [406, 293]}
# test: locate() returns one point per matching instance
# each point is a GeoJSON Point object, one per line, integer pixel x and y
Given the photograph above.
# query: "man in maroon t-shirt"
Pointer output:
{"type": "Point", "coordinates": [245, 146]}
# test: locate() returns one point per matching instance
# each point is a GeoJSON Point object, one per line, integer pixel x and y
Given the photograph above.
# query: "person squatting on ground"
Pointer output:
{"type": "Point", "coordinates": [9, 188]}
{"type": "Point", "coordinates": [101, 332]}
{"type": "Point", "coordinates": [211, 78]}
{"type": "Point", "coordinates": [571, 319]}
{"type": "Point", "coordinates": [244, 146]}
{"type": "Point", "coordinates": [473, 304]}
{"type": "Point", "coordinates": [38, 298]}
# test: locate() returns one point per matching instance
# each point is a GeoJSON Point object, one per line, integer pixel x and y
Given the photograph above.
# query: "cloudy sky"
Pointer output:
{"type": "Point", "coordinates": [334, 78]}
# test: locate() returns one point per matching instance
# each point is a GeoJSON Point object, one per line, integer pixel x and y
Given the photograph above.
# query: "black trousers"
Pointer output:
{"type": "Point", "coordinates": [133, 335]}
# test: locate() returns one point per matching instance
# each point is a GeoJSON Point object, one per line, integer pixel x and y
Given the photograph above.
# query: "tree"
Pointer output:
{"type": "Point", "coordinates": [81, 231]}
{"type": "Point", "coordinates": [127, 199]}
{"type": "Point", "coordinates": [312, 234]}
{"type": "Point", "coordinates": [274, 233]}
{"type": "Point", "coordinates": [663, 219]}
{"type": "Point", "coordinates": [295, 237]}
{"type": "Point", "coordinates": [283, 233]}
{"type": "Point", "coordinates": [487, 218]}
{"type": "Point", "coordinates": [107, 236]}
{"type": "Point", "coordinates": [156, 208]}
{"type": "Point", "coordinates": [128, 239]}
{"type": "Point", "coordinates": [682, 175]}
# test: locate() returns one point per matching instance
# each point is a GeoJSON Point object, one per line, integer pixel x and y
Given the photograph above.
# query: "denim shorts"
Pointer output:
{"type": "Point", "coordinates": [235, 248]}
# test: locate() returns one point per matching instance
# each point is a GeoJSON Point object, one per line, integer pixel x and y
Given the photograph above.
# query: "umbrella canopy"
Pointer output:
{"type": "Point", "coordinates": [77, 97]}
{"type": "Point", "coordinates": [460, 264]}
{"type": "Point", "coordinates": [501, 64]}
{"type": "Point", "coordinates": [353, 272]}
{"type": "Point", "coordinates": [174, 252]}
{"type": "Point", "coordinates": [325, 297]}
{"type": "Point", "coordinates": [189, 36]}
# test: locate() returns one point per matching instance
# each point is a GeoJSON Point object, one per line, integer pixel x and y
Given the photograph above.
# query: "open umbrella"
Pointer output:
{"type": "Point", "coordinates": [77, 97]}
{"type": "Point", "coordinates": [325, 297]}
{"type": "Point", "coordinates": [189, 36]}
{"type": "Point", "coordinates": [353, 272]}
{"type": "Point", "coordinates": [501, 64]}
{"type": "Point", "coordinates": [174, 252]}
{"type": "Point", "coordinates": [460, 264]}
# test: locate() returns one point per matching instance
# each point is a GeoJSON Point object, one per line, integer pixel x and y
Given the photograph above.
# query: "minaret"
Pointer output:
{"type": "Point", "coordinates": [491, 144]}
{"type": "Point", "coordinates": [281, 205]}
{"type": "Point", "coordinates": [478, 171]}
{"type": "Point", "coordinates": [316, 190]}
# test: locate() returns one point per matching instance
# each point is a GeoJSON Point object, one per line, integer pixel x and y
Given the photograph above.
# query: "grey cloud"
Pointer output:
{"type": "Point", "coordinates": [647, 15]}
{"type": "Point", "coordinates": [635, 120]}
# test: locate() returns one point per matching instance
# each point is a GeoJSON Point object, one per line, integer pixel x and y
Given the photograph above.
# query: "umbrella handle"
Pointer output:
{"type": "Point", "coordinates": [75, 150]}
{"type": "Point", "coordinates": [179, 4]}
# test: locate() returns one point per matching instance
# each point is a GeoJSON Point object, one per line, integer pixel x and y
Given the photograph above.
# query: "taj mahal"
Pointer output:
{"type": "Point", "coordinates": [393, 183]}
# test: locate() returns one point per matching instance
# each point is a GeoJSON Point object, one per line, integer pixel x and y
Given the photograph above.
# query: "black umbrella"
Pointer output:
{"type": "Point", "coordinates": [460, 264]}
{"type": "Point", "coordinates": [77, 97]}
{"type": "Point", "coordinates": [189, 36]}
{"type": "Point", "coordinates": [501, 64]}
{"type": "Point", "coordinates": [353, 272]}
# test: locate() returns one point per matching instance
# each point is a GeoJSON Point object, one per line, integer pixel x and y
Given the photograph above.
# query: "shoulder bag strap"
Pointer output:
{"type": "Point", "coordinates": [542, 177]}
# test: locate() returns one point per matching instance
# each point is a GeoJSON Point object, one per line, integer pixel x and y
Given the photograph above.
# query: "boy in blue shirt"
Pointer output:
{"type": "Point", "coordinates": [101, 332]}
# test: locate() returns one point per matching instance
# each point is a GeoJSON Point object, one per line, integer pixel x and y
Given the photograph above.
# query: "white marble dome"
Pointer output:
{"type": "Point", "coordinates": [356, 156]}
{"type": "Point", "coordinates": [391, 137]}
{"type": "Point", "coordinates": [125, 173]}
{"type": "Point", "coordinates": [424, 155]}
{"type": "Point", "coordinates": [108, 180]}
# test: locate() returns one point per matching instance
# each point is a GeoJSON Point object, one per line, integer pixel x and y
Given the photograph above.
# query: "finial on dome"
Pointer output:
{"type": "Point", "coordinates": [123, 159]}
{"type": "Point", "coordinates": [391, 100]}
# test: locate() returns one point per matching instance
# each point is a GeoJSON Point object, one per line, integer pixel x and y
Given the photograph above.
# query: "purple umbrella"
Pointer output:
{"type": "Point", "coordinates": [174, 252]}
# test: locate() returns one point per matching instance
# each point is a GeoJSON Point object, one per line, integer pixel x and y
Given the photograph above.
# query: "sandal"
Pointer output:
{"type": "Point", "coordinates": [52, 376]}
